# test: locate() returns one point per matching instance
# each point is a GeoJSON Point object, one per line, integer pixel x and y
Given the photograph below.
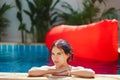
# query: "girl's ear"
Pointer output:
{"type": "Point", "coordinates": [68, 57]}
{"type": "Point", "coordinates": [68, 54]}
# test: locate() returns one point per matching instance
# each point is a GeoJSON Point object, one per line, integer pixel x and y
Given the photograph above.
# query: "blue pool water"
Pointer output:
{"type": "Point", "coordinates": [21, 57]}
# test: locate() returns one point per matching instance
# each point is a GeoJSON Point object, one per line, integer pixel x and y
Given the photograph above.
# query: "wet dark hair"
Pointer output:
{"type": "Point", "coordinates": [65, 46]}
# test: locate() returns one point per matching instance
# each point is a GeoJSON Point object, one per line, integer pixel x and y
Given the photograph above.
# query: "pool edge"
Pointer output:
{"type": "Point", "coordinates": [24, 76]}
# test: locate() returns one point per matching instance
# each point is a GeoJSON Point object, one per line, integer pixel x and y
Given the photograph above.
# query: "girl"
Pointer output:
{"type": "Point", "coordinates": [61, 53]}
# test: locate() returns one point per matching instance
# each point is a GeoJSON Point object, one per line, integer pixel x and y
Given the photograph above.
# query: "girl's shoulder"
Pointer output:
{"type": "Point", "coordinates": [43, 68]}
{"type": "Point", "coordinates": [48, 67]}
{"type": "Point", "coordinates": [76, 67]}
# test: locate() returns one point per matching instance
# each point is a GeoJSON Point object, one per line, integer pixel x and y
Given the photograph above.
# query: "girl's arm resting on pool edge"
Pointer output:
{"type": "Point", "coordinates": [76, 72]}
{"type": "Point", "coordinates": [43, 71]}
{"type": "Point", "coordinates": [87, 73]}
{"type": "Point", "coordinates": [39, 71]}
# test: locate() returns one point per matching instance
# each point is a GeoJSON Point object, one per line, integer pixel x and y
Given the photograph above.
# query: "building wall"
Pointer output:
{"type": "Point", "coordinates": [12, 33]}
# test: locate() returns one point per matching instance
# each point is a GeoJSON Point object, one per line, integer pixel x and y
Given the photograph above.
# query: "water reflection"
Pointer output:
{"type": "Point", "coordinates": [99, 67]}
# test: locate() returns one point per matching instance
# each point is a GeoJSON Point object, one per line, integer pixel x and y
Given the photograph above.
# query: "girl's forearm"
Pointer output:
{"type": "Point", "coordinates": [88, 73]}
{"type": "Point", "coordinates": [41, 72]}
{"type": "Point", "coordinates": [38, 72]}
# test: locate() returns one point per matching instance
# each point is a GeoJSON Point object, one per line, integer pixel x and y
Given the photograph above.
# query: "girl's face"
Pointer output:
{"type": "Point", "coordinates": [59, 57]}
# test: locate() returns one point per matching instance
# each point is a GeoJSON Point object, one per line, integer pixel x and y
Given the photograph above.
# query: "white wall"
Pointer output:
{"type": "Point", "coordinates": [13, 35]}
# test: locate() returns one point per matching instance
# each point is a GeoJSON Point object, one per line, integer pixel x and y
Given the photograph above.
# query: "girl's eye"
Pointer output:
{"type": "Point", "coordinates": [52, 54]}
{"type": "Point", "coordinates": [59, 53]}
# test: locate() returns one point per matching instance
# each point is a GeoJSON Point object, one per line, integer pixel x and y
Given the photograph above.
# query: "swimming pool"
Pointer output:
{"type": "Point", "coordinates": [21, 57]}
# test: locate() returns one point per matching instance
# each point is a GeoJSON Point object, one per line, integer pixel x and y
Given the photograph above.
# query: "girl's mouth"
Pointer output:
{"type": "Point", "coordinates": [55, 61]}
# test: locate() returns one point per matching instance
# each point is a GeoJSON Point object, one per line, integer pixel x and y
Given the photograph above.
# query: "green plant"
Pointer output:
{"type": "Point", "coordinates": [39, 14]}
{"type": "Point", "coordinates": [89, 13]}
{"type": "Point", "coordinates": [3, 20]}
{"type": "Point", "coordinates": [22, 26]}
{"type": "Point", "coordinates": [111, 13]}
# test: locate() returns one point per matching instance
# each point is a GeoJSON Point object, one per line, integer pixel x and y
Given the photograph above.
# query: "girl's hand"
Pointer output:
{"type": "Point", "coordinates": [60, 72]}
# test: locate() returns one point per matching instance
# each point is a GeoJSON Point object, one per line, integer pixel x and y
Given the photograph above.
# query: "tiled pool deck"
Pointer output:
{"type": "Point", "coordinates": [24, 76]}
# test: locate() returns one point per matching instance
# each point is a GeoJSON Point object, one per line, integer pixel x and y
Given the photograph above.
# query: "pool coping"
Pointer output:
{"type": "Point", "coordinates": [24, 76]}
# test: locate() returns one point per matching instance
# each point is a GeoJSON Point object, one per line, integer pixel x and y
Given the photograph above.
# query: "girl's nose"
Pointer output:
{"type": "Point", "coordinates": [55, 57]}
